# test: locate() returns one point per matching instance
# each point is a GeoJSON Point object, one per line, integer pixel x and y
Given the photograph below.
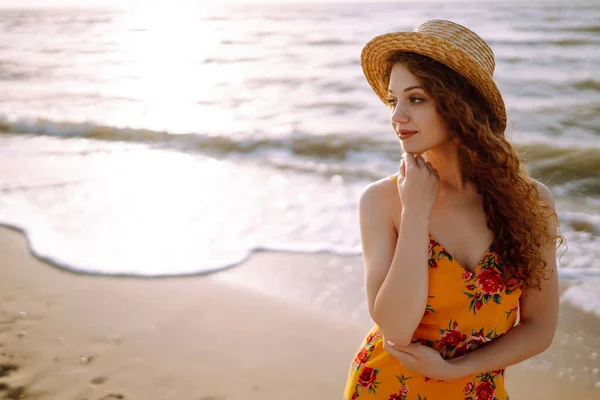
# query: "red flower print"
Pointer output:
{"type": "Point", "coordinates": [490, 281]}
{"type": "Point", "coordinates": [478, 305]}
{"type": "Point", "coordinates": [374, 336]}
{"type": "Point", "coordinates": [361, 357]}
{"type": "Point", "coordinates": [431, 245]}
{"type": "Point", "coordinates": [484, 391]}
{"type": "Point", "coordinates": [401, 394]}
{"type": "Point", "coordinates": [452, 338]}
{"type": "Point", "coordinates": [515, 307]}
{"type": "Point", "coordinates": [354, 396]}
{"type": "Point", "coordinates": [461, 351]}
{"type": "Point", "coordinates": [367, 377]}
{"type": "Point", "coordinates": [479, 337]}
{"type": "Point", "coordinates": [468, 388]}
{"type": "Point", "coordinates": [497, 372]}
{"type": "Point", "coordinates": [467, 275]}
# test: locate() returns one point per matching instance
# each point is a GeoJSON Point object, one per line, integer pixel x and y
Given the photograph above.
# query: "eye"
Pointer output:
{"type": "Point", "coordinates": [391, 102]}
{"type": "Point", "coordinates": [415, 100]}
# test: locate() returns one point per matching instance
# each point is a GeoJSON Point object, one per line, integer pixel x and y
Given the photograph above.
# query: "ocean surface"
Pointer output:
{"type": "Point", "coordinates": [175, 140]}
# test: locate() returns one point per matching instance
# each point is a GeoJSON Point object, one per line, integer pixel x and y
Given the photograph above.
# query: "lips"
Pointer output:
{"type": "Point", "coordinates": [402, 134]}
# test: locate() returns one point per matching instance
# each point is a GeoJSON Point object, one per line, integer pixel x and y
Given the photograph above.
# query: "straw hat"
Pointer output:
{"type": "Point", "coordinates": [444, 41]}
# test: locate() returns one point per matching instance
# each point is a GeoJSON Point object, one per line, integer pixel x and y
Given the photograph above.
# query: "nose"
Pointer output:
{"type": "Point", "coordinates": [399, 115]}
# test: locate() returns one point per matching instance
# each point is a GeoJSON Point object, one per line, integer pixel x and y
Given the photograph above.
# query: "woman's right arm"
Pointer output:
{"type": "Point", "coordinates": [396, 264]}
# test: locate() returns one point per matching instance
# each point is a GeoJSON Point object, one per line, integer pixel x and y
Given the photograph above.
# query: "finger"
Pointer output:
{"type": "Point", "coordinates": [391, 349]}
{"type": "Point", "coordinates": [398, 354]}
{"type": "Point", "coordinates": [402, 168]}
{"type": "Point", "coordinates": [412, 349]}
{"type": "Point", "coordinates": [409, 160]}
{"type": "Point", "coordinates": [432, 170]}
{"type": "Point", "coordinates": [420, 162]}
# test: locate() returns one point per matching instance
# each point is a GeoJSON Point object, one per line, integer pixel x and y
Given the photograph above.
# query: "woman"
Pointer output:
{"type": "Point", "coordinates": [461, 241]}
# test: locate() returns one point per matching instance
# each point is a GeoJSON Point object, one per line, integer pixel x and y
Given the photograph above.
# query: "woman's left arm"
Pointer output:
{"type": "Point", "coordinates": [533, 334]}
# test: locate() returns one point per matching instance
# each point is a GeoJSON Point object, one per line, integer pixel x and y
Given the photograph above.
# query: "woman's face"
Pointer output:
{"type": "Point", "coordinates": [413, 110]}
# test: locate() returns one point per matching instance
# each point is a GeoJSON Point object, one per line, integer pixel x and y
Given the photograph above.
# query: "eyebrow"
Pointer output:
{"type": "Point", "coordinates": [408, 88]}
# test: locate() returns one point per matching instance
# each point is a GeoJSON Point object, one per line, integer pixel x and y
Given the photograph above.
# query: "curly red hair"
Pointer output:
{"type": "Point", "coordinates": [515, 212]}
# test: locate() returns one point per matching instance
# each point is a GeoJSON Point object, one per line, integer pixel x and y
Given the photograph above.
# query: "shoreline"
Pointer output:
{"type": "Point", "coordinates": [76, 336]}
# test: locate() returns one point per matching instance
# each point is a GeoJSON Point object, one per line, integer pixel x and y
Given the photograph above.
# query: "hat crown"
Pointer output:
{"type": "Point", "coordinates": [461, 38]}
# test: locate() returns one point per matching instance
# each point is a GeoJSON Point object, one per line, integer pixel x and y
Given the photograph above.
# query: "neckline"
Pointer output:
{"type": "Point", "coordinates": [487, 251]}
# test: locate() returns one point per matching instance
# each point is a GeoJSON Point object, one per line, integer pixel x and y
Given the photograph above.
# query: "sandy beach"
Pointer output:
{"type": "Point", "coordinates": [65, 336]}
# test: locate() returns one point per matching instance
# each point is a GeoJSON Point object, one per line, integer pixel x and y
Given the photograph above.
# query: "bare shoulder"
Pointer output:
{"type": "Point", "coordinates": [379, 193]}
{"type": "Point", "coordinates": [545, 193]}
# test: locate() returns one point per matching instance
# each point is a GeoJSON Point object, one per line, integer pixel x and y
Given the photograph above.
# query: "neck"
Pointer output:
{"type": "Point", "coordinates": [444, 159]}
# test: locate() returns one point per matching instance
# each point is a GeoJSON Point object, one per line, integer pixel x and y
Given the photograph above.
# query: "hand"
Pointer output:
{"type": "Point", "coordinates": [418, 184]}
{"type": "Point", "coordinates": [423, 360]}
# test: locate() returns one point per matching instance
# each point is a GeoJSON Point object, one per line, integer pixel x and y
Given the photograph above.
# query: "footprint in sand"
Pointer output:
{"type": "Point", "coordinates": [112, 396]}
{"type": "Point", "coordinates": [99, 380]}
{"type": "Point", "coordinates": [11, 392]}
{"type": "Point", "coordinates": [17, 392]}
{"type": "Point", "coordinates": [6, 369]}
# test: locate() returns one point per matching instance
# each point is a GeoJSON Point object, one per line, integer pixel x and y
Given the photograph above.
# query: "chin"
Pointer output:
{"type": "Point", "coordinates": [416, 150]}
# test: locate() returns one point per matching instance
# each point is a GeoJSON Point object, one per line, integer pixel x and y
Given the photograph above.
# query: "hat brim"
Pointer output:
{"type": "Point", "coordinates": [376, 68]}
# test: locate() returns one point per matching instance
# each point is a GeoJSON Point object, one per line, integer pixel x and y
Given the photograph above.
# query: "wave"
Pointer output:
{"type": "Point", "coordinates": [328, 42]}
{"type": "Point", "coordinates": [576, 166]}
{"type": "Point", "coordinates": [572, 42]}
{"type": "Point", "coordinates": [352, 156]}
{"type": "Point", "coordinates": [581, 222]}
{"type": "Point", "coordinates": [324, 146]}
{"type": "Point", "coordinates": [585, 84]}
{"type": "Point", "coordinates": [560, 28]}
{"type": "Point", "coordinates": [538, 43]}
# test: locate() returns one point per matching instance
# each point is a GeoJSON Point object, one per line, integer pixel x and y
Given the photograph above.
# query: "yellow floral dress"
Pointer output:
{"type": "Point", "coordinates": [465, 310]}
